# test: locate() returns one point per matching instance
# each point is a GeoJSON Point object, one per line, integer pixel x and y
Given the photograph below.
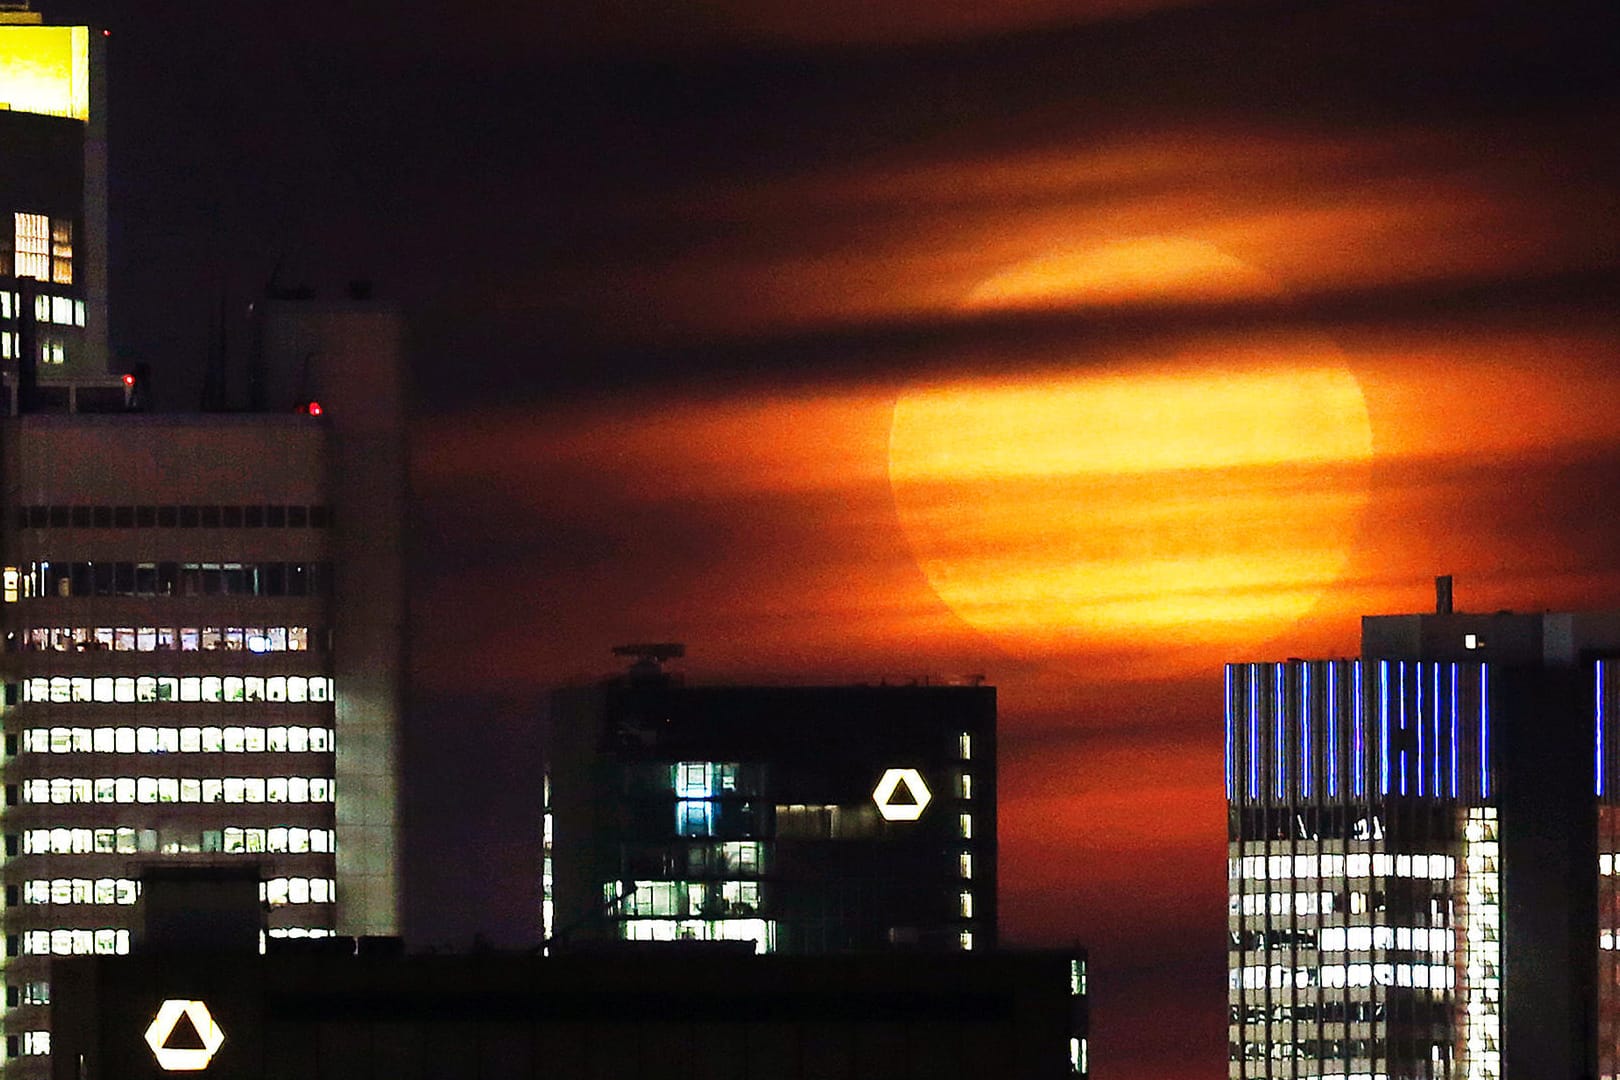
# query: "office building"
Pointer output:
{"type": "Point", "coordinates": [802, 819]}
{"type": "Point", "coordinates": [203, 620]}
{"type": "Point", "coordinates": [53, 202]}
{"type": "Point", "coordinates": [195, 994]}
{"type": "Point", "coordinates": [1421, 848]}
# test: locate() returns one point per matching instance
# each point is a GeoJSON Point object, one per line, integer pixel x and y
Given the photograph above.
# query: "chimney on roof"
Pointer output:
{"type": "Point", "coordinates": [1442, 595]}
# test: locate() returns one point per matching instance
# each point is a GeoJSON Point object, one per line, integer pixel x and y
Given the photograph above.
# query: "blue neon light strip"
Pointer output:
{"type": "Point", "coordinates": [1358, 731]}
{"type": "Point", "coordinates": [1383, 727]}
{"type": "Point", "coordinates": [1332, 731]}
{"type": "Point", "coordinates": [1304, 729]}
{"type": "Point", "coordinates": [1230, 778]}
{"type": "Point", "coordinates": [1434, 717]}
{"type": "Point", "coordinates": [1600, 721]}
{"type": "Point", "coordinates": [1254, 731]}
{"type": "Point", "coordinates": [1455, 765]}
{"type": "Point", "coordinates": [1484, 734]}
{"type": "Point", "coordinates": [1419, 726]}
{"type": "Point", "coordinates": [1279, 742]}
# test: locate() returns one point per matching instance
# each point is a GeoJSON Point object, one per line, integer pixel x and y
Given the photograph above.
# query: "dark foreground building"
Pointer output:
{"type": "Point", "coordinates": [675, 1011]}
{"type": "Point", "coordinates": [804, 819]}
{"type": "Point", "coordinates": [1422, 848]}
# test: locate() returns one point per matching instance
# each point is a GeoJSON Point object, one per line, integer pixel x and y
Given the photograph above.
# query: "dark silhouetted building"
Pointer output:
{"type": "Point", "coordinates": [803, 819]}
{"type": "Point", "coordinates": [1421, 850]}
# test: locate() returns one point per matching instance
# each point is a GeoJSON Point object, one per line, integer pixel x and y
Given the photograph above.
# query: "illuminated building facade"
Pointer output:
{"type": "Point", "coordinates": [801, 819]}
{"type": "Point", "coordinates": [204, 658]}
{"type": "Point", "coordinates": [53, 203]}
{"type": "Point", "coordinates": [1421, 849]}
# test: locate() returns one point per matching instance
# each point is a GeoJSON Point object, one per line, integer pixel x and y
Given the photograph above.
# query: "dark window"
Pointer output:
{"type": "Point", "coordinates": [145, 517]}
{"type": "Point", "coordinates": [237, 581]}
{"type": "Point", "coordinates": [13, 995]}
{"type": "Point", "coordinates": [188, 517]}
{"type": "Point", "coordinates": [210, 517]}
{"type": "Point", "coordinates": [22, 517]}
{"type": "Point", "coordinates": [319, 517]}
{"type": "Point", "coordinates": [38, 516]}
{"type": "Point", "coordinates": [82, 583]}
{"type": "Point", "coordinates": [101, 516]}
{"type": "Point", "coordinates": [252, 517]}
{"type": "Point", "coordinates": [275, 516]}
{"type": "Point", "coordinates": [211, 579]}
{"type": "Point", "coordinates": [59, 517]}
{"type": "Point", "coordinates": [124, 517]}
{"type": "Point", "coordinates": [168, 579]}
{"type": "Point", "coordinates": [81, 517]}
{"type": "Point", "coordinates": [297, 517]}
{"type": "Point", "coordinates": [297, 580]}
{"type": "Point", "coordinates": [146, 579]}
{"type": "Point", "coordinates": [11, 745]}
{"type": "Point", "coordinates": [11, 794]}
{"type": "Point", "coordinates": [103, 575]}
{"type": "Point", "coordinates": [11, 693]}
{"type": "Point", "coordinates": [167, 518]}
{"type": "Point", "coordinates": [275, 579]}
{"type": "Point", "coordinates": [230, 517]}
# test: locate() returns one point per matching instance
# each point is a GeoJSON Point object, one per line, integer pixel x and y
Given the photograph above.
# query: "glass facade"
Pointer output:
{"type": "Point", "coordinates": [1367, 917]}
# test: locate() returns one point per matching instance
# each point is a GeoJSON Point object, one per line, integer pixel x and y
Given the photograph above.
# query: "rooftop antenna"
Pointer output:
{"type": "Point", "coordinates": [650, 657]}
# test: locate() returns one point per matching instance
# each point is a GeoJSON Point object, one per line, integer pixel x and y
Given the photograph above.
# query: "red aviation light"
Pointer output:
{"type": "Point", "coordinates": [129, 381]}
{"type": "Point", "coordinates": [311, 408]}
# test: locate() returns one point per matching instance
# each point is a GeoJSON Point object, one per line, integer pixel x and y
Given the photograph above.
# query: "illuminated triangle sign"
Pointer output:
{"type": "Point", "coordinates": [183, 1058]}
{"type": "Point", "coordinates": [895, 807]}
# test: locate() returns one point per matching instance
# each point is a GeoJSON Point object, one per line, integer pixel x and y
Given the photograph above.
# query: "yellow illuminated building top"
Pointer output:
{"type": "Point", "coordinates": [45, 69]}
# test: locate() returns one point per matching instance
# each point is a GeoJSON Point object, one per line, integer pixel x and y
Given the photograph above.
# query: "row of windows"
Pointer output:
{"type": "Point", "coordinates": [152, 579]}
{"type": "Point", "coordinates": [104, 942]}
{"type": "Point", "coordinates": [178, 789]}
{"type": "Point", "coordinates": [124, 891]}
{"type": "Point", "coordinates": [186, 740]}
{"type": "Point", "coordinates": [1334, 1012]}
{"type": "Point", "coordinates": [1423, 976]}
{"type": "Point", "coordinates": [690, 899]}
{"type": "Point", "coordinates": [1342, 938]}
{"type": "Point", "coordinates": [254, 639]}
{"type": "Point", "coordinates": [107, 689]}
{"type": "Point", "coordinates": [52, 349]}
{"type": "Point", "coordinates": [1355, 864]}
{"type": "Point", "coordinates": [1314, 1049]}
{"type": "Point", "coordinates": [61, 310]}
{"type": "Point", "coordinates": [274, 516]}
{"type": "Point", "coordinates": [30, 1044]}
{"type": "Point", "coordinates": [291, 839]}
{"type": "Point", "coordinates": [41, 248]}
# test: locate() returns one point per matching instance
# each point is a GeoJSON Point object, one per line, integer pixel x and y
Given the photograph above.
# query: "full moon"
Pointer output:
{"type": "Point", "coordinates": [1198, 501]}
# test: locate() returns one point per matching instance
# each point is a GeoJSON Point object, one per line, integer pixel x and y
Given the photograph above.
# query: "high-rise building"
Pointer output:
{"type": "Point", "coordinates": [53, 201]}
{"type": "Point", "coordinates": [804, 819]}
{"type": "Point", "coordinates": [1421, 845]}
{"type": "Point", "coordinates": [203, 620]}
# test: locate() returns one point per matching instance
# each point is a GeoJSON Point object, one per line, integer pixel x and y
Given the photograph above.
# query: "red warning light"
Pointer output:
{"type": "Point", "coordinates": [129, 381]}
{"type": "Point", "coordinates": [313, 408]}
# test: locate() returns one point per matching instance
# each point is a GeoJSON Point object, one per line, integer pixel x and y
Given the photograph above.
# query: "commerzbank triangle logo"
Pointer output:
{"type": "Point", "coordinates": [901, 795]}
{"type": "Point", "coordinates": [183, 1036]}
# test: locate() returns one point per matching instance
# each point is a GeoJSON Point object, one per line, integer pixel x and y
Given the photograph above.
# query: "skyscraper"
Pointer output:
{"type": "Point", "coordinates": [1420, 848]}
{"type": "Point", "coordinates": [804, 819]}
{"type": "Point", "coordinates": [53, 198]}
{"type": "Point", "coordinates": [203, 616]}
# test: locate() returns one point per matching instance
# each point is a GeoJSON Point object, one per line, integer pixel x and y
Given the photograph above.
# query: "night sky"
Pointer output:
{"type": "Point", "coordinates": [1081, 345]}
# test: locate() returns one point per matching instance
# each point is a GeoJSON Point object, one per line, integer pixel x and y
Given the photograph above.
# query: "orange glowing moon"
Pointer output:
{"type": "Point", "coordinates": [1199, 500]}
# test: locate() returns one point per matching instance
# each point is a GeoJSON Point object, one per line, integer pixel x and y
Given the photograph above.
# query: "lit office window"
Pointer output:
{"type": "Point", "coordinates": [33, 246]}
{"type": "Point", "coordinates": [964, 746]}
{"type": "Point", "coordinates": [62, 251]}
{"type": "Point", "coordinates": [964, 826]}
{"type": "Point", "coordinates": [966, 940]}
{"type": "Point", "coordinates": [964, 865]}
{"type": "Point", "coordinates": [965, 903]}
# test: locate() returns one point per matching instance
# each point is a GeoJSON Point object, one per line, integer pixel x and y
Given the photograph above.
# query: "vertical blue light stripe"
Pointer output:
{"type": "Point", "coordinates": [1332, 730]}
{"type": "Point", "coordinates": [1383, 727]}
{"type": "Point", "coordinates": [1600, 718]}
{"type": "Point", "coordinates": [1484, 733]}
{"type": "Point", "coordinates": [1455, 752]}
{"type": "Point", "coordinates": [1434, 744]}
{"type": "Point", "coordinates": [1358, 733]}
{"type": "Point", "coordinates": [1400, 701]}
{"type": "Point", "coordinates": [1419, 680]}
{"type": "Point", "coordinates": [1254, 731]}
{"type": "Point", "coordinates": [1305, 726]}
{"type": "Point", "coordinates": [1230, 776]}
{"type": "Point", "coordinates": [1279, 740]}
